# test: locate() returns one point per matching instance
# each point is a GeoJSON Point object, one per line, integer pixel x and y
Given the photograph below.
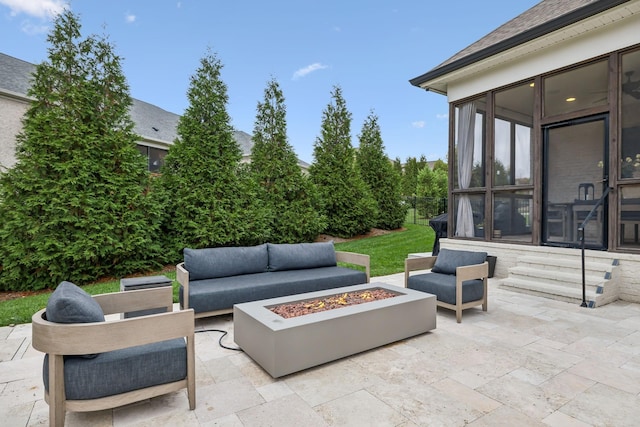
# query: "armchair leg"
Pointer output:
{"type": "Point", "coordinates": [458, 314]}
{"type": "Point", "coordinates": [56, 391]}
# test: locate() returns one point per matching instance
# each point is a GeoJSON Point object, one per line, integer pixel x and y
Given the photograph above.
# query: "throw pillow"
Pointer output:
{"type": "Point", "coordinates": [448, 260]}
{"type": "Point", "coordinates": [71, 304]}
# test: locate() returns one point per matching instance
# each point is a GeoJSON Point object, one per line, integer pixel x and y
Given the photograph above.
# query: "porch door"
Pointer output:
{"type": "Point", "coordinates": [575, 169]}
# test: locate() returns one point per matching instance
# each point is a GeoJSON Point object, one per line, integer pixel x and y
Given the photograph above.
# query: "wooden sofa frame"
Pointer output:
{"type": "Point", "coordinates": [469, 272]}
{"type": "Point", "coordinates": [59, 339]}
{"type": "Point", "coordinates": [182, 276]}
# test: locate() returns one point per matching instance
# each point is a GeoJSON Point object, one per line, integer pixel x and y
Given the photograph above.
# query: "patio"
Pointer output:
{"type": "Point", "coordinates": [528, 361]}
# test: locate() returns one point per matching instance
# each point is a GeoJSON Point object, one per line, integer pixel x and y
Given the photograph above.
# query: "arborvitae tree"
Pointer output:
{"type": "Point", "coordinates": [76, 205]}
{"type": "Point", "coordinates": [346, 200]}
{"type": "Point", "coordinates": [212, 199]}
{"type": "Point", "coordinates": [379, 175]}
{"type": "Point", "coordinates": [410, 177]}
{"type": "Point", "coordinates": [288, 195]}
{"type": "Point", "coordinates": [432, 183]}
{"type": "Point", "coordinates": [441, 165]}
{"type": "Point", "coordinates": [397, 166]}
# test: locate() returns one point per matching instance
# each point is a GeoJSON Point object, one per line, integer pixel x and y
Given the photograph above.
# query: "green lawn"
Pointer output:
{"type": "Point", "coordinates": [387, 254]}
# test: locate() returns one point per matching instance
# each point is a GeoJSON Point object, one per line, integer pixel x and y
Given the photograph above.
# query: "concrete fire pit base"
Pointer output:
{"type": "Point", "coordinates": [283, 346]}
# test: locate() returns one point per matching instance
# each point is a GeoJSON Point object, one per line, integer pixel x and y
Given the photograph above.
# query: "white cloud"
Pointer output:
{"type": "Point", "coordinates": [442, 116]}
{"type": "Point", "coordinates": [308, 69]}
{"type": "Point", "coordinates": [32, 29]}
{"type": "Point", "coordinates": [418, 124]}
{"type": "Point", "coordinates": [130, 18]}
{"type": "Point", "coordinates": [38, 8]}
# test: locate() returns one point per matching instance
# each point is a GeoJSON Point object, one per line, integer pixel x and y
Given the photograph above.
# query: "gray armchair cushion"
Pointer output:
{"type": "Point", "coordinates": [300, 256]}
{"type": "Point", "coordinates": [210, 263]}
{"type": "Point", "coordinates": [448, 260]}
{"type": "Point", "coordinates": [443, 286]}
{"type": "Point", "coordinates": [71, 304]}
{"type": "Point", "coordinates": [120, 371]}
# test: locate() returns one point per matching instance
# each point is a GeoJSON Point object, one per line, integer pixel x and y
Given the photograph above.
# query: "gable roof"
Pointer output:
{"type": "Point", "coordinates": [543, 18]}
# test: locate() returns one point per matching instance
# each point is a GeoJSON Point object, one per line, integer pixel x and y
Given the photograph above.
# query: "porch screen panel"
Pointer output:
{"type": "Point", "coordinates": [512, 215]}
{"type": "Point", "coordinates": [466, 130]}
{"type": "Point", "coordinates": [512, 136]}
{"type": "Point", "coordinates": [630, 99]}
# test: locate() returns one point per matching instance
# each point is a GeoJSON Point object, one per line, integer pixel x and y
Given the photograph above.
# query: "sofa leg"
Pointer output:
{"type": "Point", "coordinates": [458, 315]}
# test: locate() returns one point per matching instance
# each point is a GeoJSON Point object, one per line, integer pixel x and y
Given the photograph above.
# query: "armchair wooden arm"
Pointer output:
{"type": "Point", "coordinates": [182, 276]}
{"type": "Point", "coordinates": [419, 263]}
{"type": "Point", "coordinates": [356, 259]}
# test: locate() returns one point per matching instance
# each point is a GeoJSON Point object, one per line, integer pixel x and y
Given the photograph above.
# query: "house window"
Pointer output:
{"type": "Point", "coordinates": [577, 89]}
{"type": "Point", "coordinates": [155, 157]}
{"type": "Point", "coordinates": [513, 112]}
{"type": "Point", "coordinates": [630, 118]}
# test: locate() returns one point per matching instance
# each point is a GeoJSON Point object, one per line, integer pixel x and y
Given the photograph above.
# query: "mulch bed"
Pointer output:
{"type": "Point", "coordinates": [332, 302]}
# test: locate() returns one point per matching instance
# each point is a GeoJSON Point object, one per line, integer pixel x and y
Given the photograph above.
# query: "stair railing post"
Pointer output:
{"type": "Point", "coordinates": [584, 286]}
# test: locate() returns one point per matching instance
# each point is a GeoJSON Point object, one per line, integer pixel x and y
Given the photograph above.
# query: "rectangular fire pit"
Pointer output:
{"type": "Point", "coordinates": [283, 346]}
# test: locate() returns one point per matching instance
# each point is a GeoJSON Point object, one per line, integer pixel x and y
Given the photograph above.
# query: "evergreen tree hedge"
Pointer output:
{"type": "Point", "coordinates": [287, 194]}
{"type": "Point", "coordinates": [380, 176]}
{"type": "Point", "coordinates": [76, 206]}
{"type": "Point", "coordinates": [346, 200]}
{"type": "Point", "coordinates": [212, 200]}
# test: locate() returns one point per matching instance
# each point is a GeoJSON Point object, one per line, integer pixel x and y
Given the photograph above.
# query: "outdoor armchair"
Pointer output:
{"type": "Point", "coordinates": [92, 364]}
{"type": "Point", "coordinates": [458, 279]}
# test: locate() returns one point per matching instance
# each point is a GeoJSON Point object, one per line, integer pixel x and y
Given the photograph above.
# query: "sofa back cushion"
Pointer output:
{"type": "Point", "coordinates": [448, 260]}
{"type": "Point", "coordinates": [71, 304]}
{"type": "Point", "coordinates": [210, 263]}
{"type": "Point", "coordinates": [299, 256]}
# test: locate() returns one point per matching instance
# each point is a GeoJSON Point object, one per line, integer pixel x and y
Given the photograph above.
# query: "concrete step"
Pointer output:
{"type": "Point", "coordinates": [548, 290]}
{"type": "Point", "coordinates": [550, 275]}
{"type": "Point", "coordinates": [567, 264]}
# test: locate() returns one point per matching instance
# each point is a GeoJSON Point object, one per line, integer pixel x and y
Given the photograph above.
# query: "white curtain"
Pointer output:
{"type": "Point", "coordinates": [466, 128]}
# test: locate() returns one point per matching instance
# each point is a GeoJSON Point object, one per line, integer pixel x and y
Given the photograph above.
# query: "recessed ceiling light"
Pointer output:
{"type": "Point", "coordinates": [571, 99]}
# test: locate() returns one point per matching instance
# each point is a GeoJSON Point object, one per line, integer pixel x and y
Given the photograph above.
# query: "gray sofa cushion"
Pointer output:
{"type": "Point", "coordinates": [120, 371]}
{"type": "Point", "coordinates": [443, 286]}
{"type": "Point", "coordinates": [71, 304]}
{"type": "Point", "coordinates": [448, 260]}
{"type": "Point", "coordinates": [223, 293]}
{"type": "Point", "coordinates": [300, 256]}
{"type": "Point", "coordinates": [223, 262]}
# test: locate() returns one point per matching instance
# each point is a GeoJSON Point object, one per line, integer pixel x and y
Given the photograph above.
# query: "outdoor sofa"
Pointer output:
{"type": "Point", "coordinates": [212, 280]}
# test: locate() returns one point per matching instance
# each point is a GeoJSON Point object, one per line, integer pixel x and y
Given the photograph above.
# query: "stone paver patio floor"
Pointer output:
{"type": "Point", "coordinates": [528, 361]}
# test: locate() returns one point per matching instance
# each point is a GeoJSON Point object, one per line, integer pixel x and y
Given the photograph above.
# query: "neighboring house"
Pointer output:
{"type": "Point", "coordinates": [545, 116]}
{"type": "Point", "coordinates": [155, 126]}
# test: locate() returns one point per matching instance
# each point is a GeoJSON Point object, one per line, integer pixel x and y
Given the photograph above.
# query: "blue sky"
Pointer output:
{"type": "Point", "coordinates": [370, 48]}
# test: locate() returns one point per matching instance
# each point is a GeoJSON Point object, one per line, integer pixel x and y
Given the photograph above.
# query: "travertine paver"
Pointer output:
{"type": "Point", "coordinates": [528, 361]}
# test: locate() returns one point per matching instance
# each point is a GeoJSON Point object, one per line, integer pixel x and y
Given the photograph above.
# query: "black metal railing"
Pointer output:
{"type": "Point", "coordinates": [581, 228]}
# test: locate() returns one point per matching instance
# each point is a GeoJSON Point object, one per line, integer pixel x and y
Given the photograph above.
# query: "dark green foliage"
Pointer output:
{"type": "Point", "coordinates": [212, 201]}
{"type": "Point", "coordinates": [410, 177]}
{"type": "Point", "coordinates": [76, 206]}
{"type": "Point", "coordinates": [346, 200]}
{"type": "Point", "coordinates": [380, 176]}
{"type": "Point", "coordinates": [397, 166]}
{"type": "Point", "coordinates": [433, 185]}
{"type": "Point", "coordinates": [288, 195]}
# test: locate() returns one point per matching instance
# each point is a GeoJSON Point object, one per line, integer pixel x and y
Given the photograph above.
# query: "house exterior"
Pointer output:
{"type": "Point", "coordinates": [545, 132]}
{"type": "Point", "coordinates": [155, 127]}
